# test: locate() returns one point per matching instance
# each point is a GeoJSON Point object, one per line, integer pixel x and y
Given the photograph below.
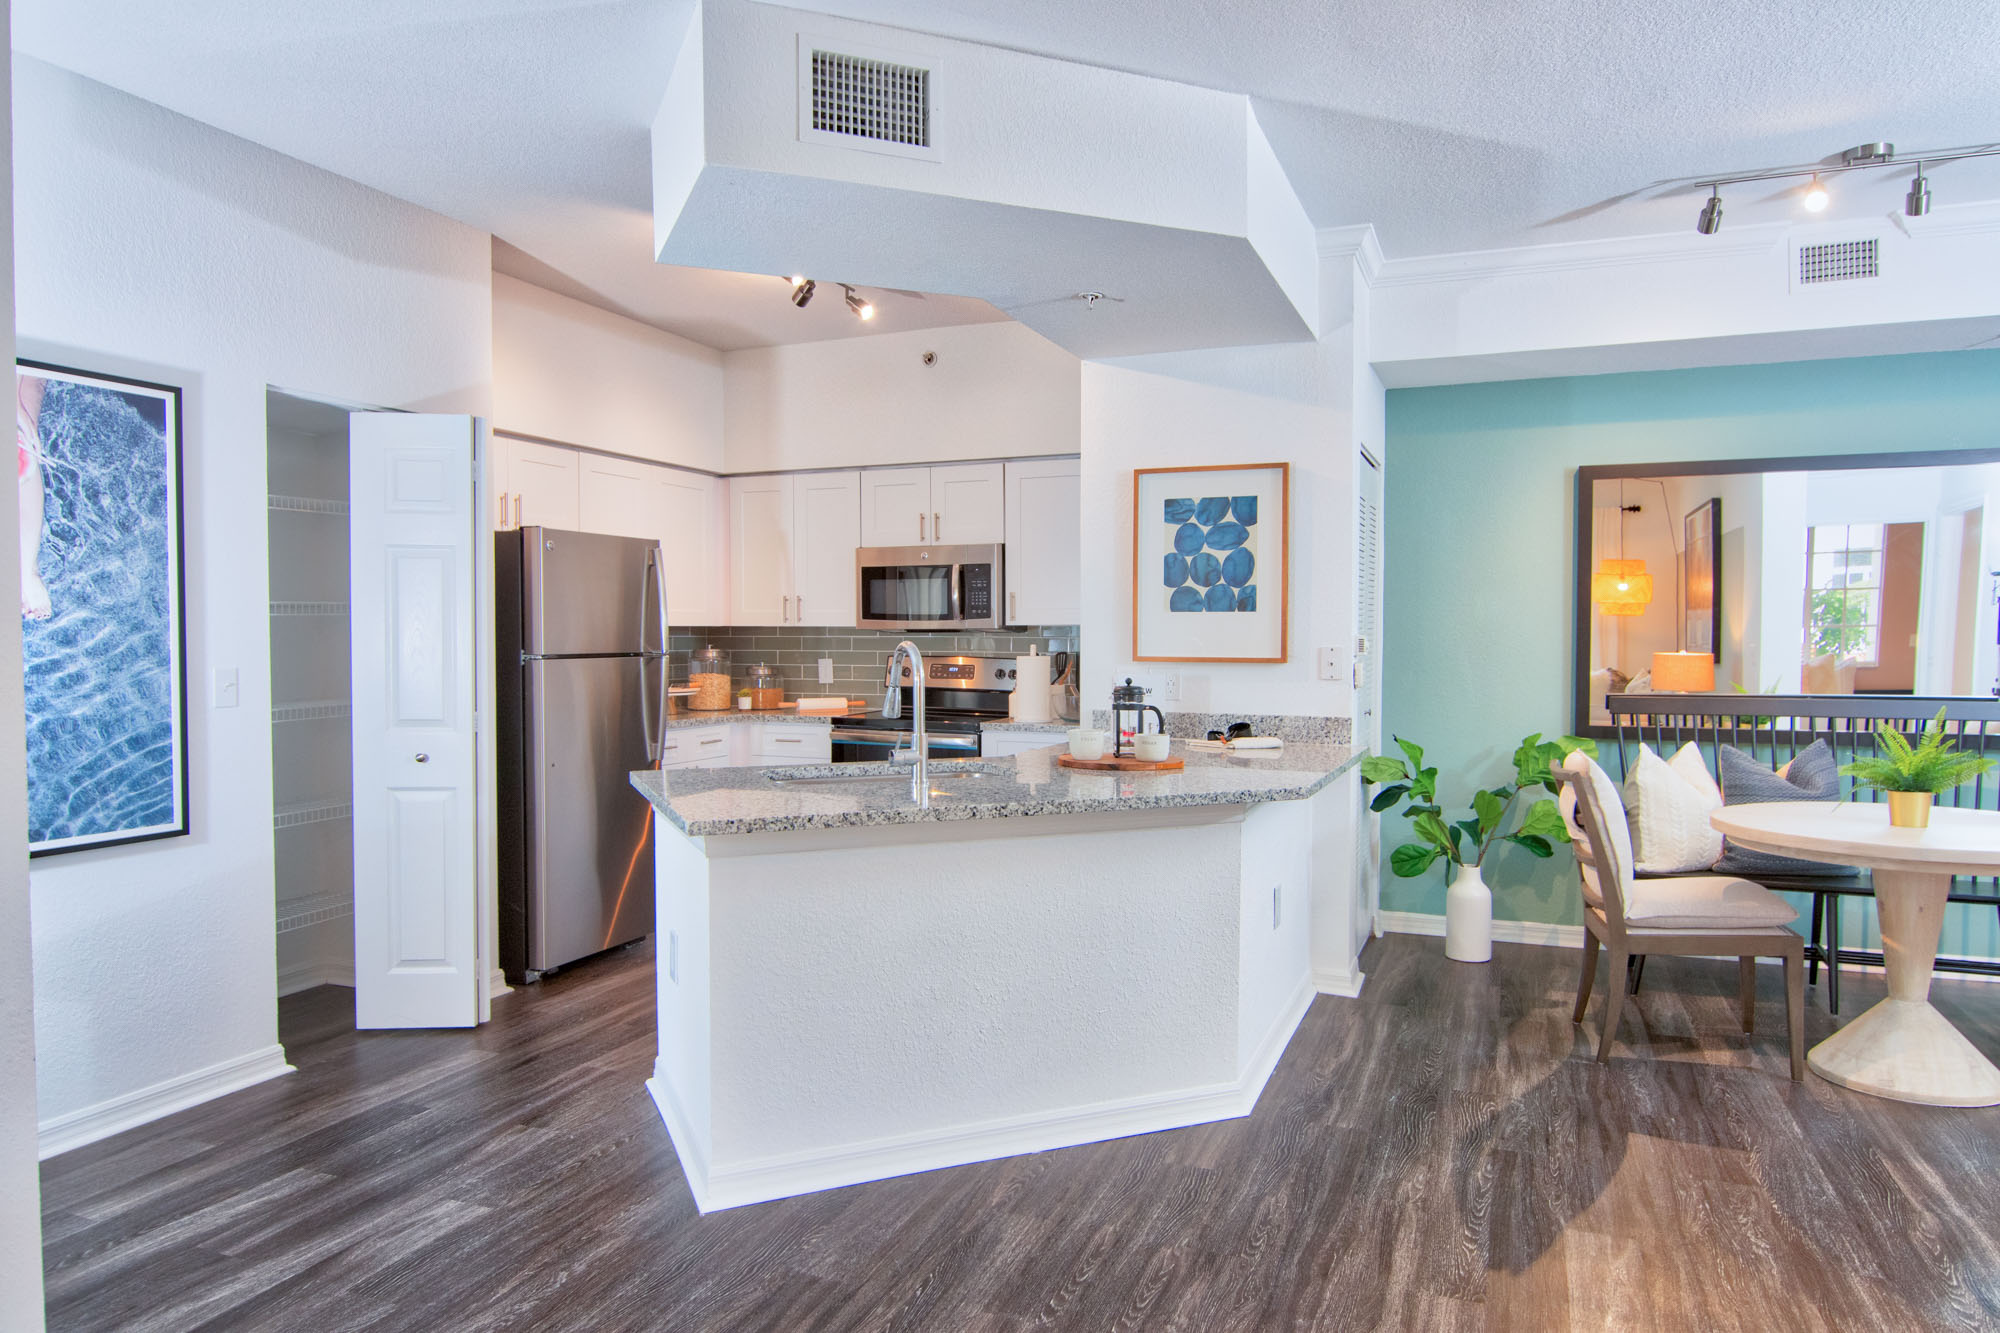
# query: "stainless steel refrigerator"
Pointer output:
{"type": "Point", "coordinates": [579, 698]}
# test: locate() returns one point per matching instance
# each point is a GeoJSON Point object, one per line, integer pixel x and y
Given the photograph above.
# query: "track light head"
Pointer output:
{"type": "Point", "coordinates": [1710, 220]}
{"type": "Point", "coordinates": [861, 308]}
{"type": "Point", "coordinates": [1918, 201]}
{"type": "Point", "coordinates": [802, 291]}
{"type": "Point", "coordinates": [1816, 196]}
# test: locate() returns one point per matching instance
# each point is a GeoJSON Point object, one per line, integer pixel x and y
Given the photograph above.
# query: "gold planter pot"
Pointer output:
{"type": "Point", "coordinates": [1910, 809]}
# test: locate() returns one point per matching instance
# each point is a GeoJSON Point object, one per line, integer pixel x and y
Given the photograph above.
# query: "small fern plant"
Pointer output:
{"type": "Point", "coordinates": [1933, 765]}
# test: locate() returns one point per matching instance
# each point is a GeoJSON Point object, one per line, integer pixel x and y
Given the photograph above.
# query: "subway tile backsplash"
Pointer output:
{"type": "Point", "coordinates": [860, 656]}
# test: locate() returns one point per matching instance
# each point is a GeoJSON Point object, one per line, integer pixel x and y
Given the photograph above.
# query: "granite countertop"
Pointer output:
{"type": "Point", "coordinates": [688, 717]}
{"type": "Point", "coordinates": [708, 802]}
{"type": "Point", "coordinates": [1054, 727]}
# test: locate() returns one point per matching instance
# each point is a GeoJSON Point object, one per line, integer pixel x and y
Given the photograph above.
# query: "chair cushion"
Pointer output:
{"type": "Point", "coordinates": [1611, 812]}
{"type": "Point", "coordinates": [1667, 804]}
{"type": "Point", "coordinates": [1698, 902]}
{"type": "Point", "coordinates": [1814, 775]}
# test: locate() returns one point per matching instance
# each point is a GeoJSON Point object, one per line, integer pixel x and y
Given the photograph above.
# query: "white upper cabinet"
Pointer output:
{"type": "Point", "coordinates": [968, 504]}
{"type": "Point", "coordinates": [792, 540]}
{"type": "Point", "coordinates": [684, 511]}
{"type": "Point", "coordinates": [959, 505]}
{"type": "Point", "coordinates": [1045, 542]}
{"type": "Point", "coordinates": [614, 496]}
{"type": "Point", "coordinates": [537, 484]}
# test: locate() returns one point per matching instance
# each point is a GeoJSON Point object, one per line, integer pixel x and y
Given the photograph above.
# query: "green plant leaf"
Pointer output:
{"type": "Point", "coordinates": [1387, 797]}
{"type": "Point", "coordinates": [1571, 744]}
{"type": "Point", "coordinates": [1383, 768]}
{"type": "Point", "coordinates": [1413, 750]}
{"type": "Point", "coordinates": [1457, 832]}
{"type": "Point", "coordinates": [1544, 820]}
{"type": "Point", "coordinates": [1474, 833]}
{"type": "Point", "coordinates": [1411, 860]}
{"type": "Point", "coordinates": [1534, 843]}
{"type": "Point", "coordinates": [1425, 784]}
{"type": "Point", "coordinates": [1432, 830]}
{"type": "Point", "coordinates": [1489, 807]}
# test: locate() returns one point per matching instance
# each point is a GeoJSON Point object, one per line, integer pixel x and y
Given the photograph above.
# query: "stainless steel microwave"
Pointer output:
{"type": "Point", "coordinates": [929, 587]}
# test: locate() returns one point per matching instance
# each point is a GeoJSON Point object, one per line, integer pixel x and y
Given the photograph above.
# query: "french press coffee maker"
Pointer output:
{"type": "Point", "coordinates": [1130, 699]}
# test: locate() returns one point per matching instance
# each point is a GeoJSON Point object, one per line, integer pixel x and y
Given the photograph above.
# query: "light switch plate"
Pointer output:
{"type": "Point", "coordinates": [224, 691]}
{"type": "Point", "coordinates": [826, 671]}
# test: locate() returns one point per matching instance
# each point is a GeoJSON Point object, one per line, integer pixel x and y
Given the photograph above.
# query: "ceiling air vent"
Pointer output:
{"type": "Point", "coordinates": [1838, 261]}
{"type": "Point", "coordinates": [875, 102]}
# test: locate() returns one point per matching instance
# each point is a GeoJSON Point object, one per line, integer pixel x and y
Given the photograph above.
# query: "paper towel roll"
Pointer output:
{"type": "Point", "coordinates": [1030, 702]}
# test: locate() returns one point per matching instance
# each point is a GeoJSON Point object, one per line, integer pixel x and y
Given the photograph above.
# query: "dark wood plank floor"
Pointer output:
{"type": "Point", "coordinates": [1439, 1154]}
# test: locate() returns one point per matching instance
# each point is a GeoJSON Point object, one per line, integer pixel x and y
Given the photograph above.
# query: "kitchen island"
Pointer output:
{"type": "Point", "coordinates": [853, 986]}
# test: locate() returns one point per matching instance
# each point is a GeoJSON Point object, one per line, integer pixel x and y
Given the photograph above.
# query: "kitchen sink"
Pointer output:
{"type": "Point", "coordinates": [810, 778]}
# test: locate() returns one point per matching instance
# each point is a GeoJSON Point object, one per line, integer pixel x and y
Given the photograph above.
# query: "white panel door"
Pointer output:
{"type": "Point", "coordinates": [1045, 542]}
{"type": "Point", "coordinates": [543, 478]}
{"type": "Point", "coordinates": [969, 503]}
{"type": "Point", "coordinates": [760, 550]}
{"type": "Point", "coordinates": [691, 516]}
{"type": "Point", "coordinates": [895, 506]}
{"type": "Point", "coordinates": [416, 829]}
{"type": "Point", "coordinates": [616, 496]}
{"type": "Point", "coordinates": [827, 523]}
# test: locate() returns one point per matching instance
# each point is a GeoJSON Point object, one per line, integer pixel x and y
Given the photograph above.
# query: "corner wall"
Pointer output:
{"type": "Point", "coordinates": [1480, 530]}
{"type": "Point", "coordinates": [152, 245]}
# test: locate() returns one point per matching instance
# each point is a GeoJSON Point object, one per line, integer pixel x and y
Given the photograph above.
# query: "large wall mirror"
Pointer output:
{"type": "Point", "coordinates": [1848, 574]}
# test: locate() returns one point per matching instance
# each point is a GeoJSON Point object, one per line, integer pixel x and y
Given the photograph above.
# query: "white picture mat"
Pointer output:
{"type": "Point", "coordinates": [1161, 634]}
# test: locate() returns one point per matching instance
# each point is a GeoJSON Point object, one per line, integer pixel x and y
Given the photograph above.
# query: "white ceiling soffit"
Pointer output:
{"type": "Point", "coordinates": [1043, 179]}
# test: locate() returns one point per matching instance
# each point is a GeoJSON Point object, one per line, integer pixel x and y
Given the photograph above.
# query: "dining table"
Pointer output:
{"type": "Point", "coordinates": [1902, 1048]}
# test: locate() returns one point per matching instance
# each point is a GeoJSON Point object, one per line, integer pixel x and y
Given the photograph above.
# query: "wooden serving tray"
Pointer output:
{"type": "Point", "coordinates": [1122, 765]}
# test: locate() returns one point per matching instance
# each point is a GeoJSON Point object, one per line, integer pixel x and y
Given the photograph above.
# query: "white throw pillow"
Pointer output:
{"type": "Point", "coordinates": [1668, 805]}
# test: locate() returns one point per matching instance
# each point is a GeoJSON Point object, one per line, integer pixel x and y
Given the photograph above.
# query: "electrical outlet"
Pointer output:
{"type": "Point", "coordinates": [1329, 664]}
{"type": "Point", "coordinates": [826, 671]}
{"type": "Point", "coordinates": [1170, 688]}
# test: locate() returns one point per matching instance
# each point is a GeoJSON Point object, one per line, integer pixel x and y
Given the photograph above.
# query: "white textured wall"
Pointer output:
{"type": "Point", "coordinates": [567, 371]}
{"type": "Point", "coordinates": [994, 391]}
{"type": "Point", "coordinates": [147, 243]}
{"type": "Point", "coordinates": [20, 1185]}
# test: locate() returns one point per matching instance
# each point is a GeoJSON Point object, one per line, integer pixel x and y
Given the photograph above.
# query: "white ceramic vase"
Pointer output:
{"type": "Point", "coordinates": [1468, 918]}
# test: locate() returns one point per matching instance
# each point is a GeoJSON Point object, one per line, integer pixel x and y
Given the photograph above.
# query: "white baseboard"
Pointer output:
{"type": "Point", "coordinates": [1504, 932]}
{"type": "Point", "coordinates": [784, 1176]}
{"type": "Point", "coordinates": [1345, 984]}
{"type": "Point", "coordinates": [496, 985]}
{"type": "Point", "coordinates": [304, 976]}
{"type": "Point", "coordinates": [59, 1134]}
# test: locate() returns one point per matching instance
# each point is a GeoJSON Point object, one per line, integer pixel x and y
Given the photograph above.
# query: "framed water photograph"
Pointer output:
{"type": "Point", "coordinates": [1701, 561]}
{"type": "Point", "coordinates": [102, 641]}
{"type": "Point", "coordinates": [1208, 563]}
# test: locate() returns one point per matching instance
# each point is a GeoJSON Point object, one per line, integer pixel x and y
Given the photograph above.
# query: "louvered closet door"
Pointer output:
{"type": "Point", "coordinates": [1367, 675]}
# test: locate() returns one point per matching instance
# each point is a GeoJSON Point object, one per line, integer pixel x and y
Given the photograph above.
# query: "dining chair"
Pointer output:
{"type": "Point", "coordinates": [1688, 916]}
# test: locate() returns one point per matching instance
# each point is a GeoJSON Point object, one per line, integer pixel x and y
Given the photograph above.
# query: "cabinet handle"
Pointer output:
{"type": "Point", "coordinates": [1013, 607]}
{"type": "Point", "coordinates": [715, 740]}
{"type": "Point", "coordinates": [517, 509]}
{"type": "Point", "coordinates": [800, 610]}
{"type": "Point", "coordinates": [920, 527]}
{"type": "Point", "coordinates": [937, 528]}
{"type": "Point", "coordinates": [501, 522]}
{"type": "Point", "coordinates": [787, 740]}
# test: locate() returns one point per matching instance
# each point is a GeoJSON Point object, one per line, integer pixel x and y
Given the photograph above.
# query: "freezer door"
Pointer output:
{"type": "Point", "coordinates": [588, 593]}
{"type": "Point", "coordinates": [590, 853]}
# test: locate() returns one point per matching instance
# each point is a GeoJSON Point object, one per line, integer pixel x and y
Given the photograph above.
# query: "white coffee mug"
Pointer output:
{"type": "Point", "coordinates": [1150, 746]}
{"type": "Point", "coordinates": [1086, 743]}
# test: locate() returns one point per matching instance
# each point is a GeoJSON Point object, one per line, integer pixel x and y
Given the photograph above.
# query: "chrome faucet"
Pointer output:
{"type": "Point", "coordinates": [892, 706]}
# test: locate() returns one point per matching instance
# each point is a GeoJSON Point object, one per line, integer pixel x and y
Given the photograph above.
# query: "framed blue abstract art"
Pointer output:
{"type": "Point", "coordinates": [1208, 563]}
{"type": "Point", "coordinates": [102, 647]}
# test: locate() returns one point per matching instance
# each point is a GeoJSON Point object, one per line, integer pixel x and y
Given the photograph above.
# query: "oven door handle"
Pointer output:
{"type": "Point", "coordinates": [901, 739]}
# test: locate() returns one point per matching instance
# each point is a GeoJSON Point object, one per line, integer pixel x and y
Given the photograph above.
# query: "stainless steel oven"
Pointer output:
{"type": "Point", "coordinates": [929, 587]}
{"type": "Point", "coordinates": [960, 693]}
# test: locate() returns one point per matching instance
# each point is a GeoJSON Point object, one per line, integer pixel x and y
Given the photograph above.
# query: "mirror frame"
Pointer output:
{"type": "Point", "coordinates": [1588, 477]}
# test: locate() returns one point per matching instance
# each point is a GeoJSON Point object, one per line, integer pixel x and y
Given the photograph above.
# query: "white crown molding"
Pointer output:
{"type": "Point", "coordinates": [58, 1134]}
{"type": "Point", "coordinates": [733, 1185]}
{"type": "Point", "coordinates": [1358, 243]}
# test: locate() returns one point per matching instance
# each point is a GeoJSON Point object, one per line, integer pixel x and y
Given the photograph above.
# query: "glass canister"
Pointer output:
{"type": "Point", "coordinates": [762, 682]}
{"type": "Point", "coordinates": [708, 673]}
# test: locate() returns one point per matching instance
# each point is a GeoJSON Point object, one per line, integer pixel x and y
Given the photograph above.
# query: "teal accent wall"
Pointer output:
{"type": "Point", "coordinates": [1480, 528]}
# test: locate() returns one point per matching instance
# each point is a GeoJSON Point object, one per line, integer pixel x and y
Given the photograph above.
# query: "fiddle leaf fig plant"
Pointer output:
{"type": "Point", "coordinates": [1465, 842]}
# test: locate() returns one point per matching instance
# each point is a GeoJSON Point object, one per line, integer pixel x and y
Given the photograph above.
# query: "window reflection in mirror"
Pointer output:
{"type": "Point", "coordinates": [1796, 576]}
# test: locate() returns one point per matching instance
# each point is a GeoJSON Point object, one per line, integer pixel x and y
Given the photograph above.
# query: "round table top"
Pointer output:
{"type": "Point", "coordinates": [1958, 842]}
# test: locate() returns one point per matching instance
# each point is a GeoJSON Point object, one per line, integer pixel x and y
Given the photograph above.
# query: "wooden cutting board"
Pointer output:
{"type": "Point", "coordinates": [1121, 765]}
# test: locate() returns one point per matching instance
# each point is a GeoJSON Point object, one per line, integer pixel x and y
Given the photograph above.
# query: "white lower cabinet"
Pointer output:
{"type": "Point", "coordinates": [998, 743]}
{"type": "Point", "coordinates": [786, 743]}
{"type": "Point", "coordinates": [697, 747]}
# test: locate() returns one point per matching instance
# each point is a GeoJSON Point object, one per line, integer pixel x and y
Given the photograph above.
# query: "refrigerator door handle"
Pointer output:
{"type": "Point", "coordinates": [654, 731]}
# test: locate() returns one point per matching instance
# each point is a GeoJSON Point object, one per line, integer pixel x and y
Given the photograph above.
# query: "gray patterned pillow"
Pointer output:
{"type": "Point", "coordinates": [1813, 776]}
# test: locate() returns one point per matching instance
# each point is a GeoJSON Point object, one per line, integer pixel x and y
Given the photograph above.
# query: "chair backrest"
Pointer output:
{"type": "Point", "coordinates": [1592, 838]}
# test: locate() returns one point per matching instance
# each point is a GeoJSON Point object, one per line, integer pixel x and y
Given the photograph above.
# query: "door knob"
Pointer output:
{"type": "Point", "coordinates": [423, 759]}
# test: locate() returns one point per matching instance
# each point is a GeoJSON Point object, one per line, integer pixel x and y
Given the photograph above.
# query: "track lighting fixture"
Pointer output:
{"type": "Point", "coordinates": [1861, 157]}
{"type": "Point", "coordinates": [862, 309]}
{"type": "Point", "coordinates": [804, 287]}
{"type": "Point", "coordinates": [1711, 213]}
{"type": "Point", "coordinates": [802, 291]}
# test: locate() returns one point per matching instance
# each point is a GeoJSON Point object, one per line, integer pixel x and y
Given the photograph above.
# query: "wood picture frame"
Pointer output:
{"type": "Point", "coordinates": [103, 611]}
{"type": "Point", "coordinates": [1204, 543]}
